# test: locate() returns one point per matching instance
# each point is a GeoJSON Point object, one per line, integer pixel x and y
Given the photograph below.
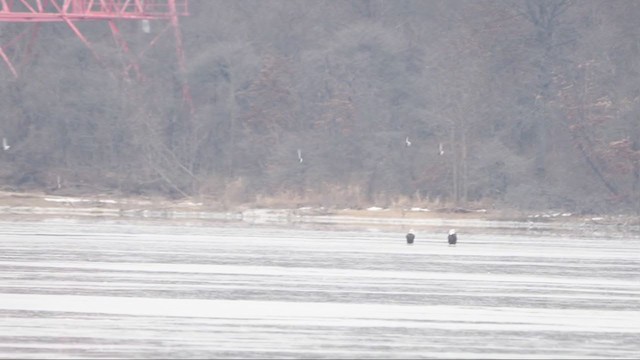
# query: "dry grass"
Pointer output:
{"type": "Point", "coordinates": [346, 201]}
{"type": "Point", "coordinates": [350, 205]}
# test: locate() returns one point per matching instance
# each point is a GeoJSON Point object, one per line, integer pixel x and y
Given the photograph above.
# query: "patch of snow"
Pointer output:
{"type": "Point", "coordinates": [375, 208]}
{"type": "Point", "coordinates": [78, 200]}
{"type": "Point", "coordinates": [189, 203]}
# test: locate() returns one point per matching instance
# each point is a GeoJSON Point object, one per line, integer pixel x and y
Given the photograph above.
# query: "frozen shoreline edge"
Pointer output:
{"type": "Point", "coordinates": [303, 217]}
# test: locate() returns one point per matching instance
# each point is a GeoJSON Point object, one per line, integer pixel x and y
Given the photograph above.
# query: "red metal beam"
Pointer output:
{"type": "Point", "coordinates": [74, 10]}
{"type": "Point", "coordinates": [13, 48]}
{"type": "Point", "coordinates": [186, 92]}
{"type": "Point", "coordinates": [6, 59]}
{"type": "Point", "coordinates": [120, 41]}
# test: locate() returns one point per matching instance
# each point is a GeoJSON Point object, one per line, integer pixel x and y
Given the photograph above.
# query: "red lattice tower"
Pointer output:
{"type": "Point", "coordinates": [72, 11]}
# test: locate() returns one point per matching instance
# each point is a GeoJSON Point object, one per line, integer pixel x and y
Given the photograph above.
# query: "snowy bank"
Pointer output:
{"type": "Point", "coordinates": [37, 206]}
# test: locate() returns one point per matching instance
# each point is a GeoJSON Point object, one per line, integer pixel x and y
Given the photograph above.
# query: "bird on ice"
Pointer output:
{"type": "Point", "coordinates": [406, 141]}
{"type": "Point", "coordinates": [5, 146]}
{"type": "Point", "coordinates": [410, 237]}
{"type": "Point", "coordinates": [300, 155]}
{"type": "Point", "coordinates": [452, 238]}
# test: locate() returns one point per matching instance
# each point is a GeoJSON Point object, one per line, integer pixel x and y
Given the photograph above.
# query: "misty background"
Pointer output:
{"type": "Point", "coordinates": [501, 104]}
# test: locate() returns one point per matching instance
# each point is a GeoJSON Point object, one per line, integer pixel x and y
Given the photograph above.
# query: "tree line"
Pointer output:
{"type": "Point", "coordinates": [527, 104]}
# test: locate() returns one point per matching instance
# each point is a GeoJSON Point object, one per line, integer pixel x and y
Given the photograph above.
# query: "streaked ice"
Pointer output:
{"type": "Point", "coordinates": [117, 290]}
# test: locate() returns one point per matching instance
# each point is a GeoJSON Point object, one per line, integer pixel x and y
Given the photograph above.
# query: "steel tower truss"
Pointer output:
{"type": "Point", "coordinates": [72, 11]}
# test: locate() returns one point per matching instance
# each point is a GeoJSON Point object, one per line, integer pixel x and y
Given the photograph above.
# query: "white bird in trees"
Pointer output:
{"type": "Point", "coordinates": [5, 146]}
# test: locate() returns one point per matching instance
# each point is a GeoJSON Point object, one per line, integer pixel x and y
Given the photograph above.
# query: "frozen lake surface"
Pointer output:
{"type": "Point", "coordinates": [110, 290]}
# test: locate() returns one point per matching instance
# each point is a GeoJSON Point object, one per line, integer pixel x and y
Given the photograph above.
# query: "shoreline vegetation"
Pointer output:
{"type": "Point", "coordinates": [34, 206]}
